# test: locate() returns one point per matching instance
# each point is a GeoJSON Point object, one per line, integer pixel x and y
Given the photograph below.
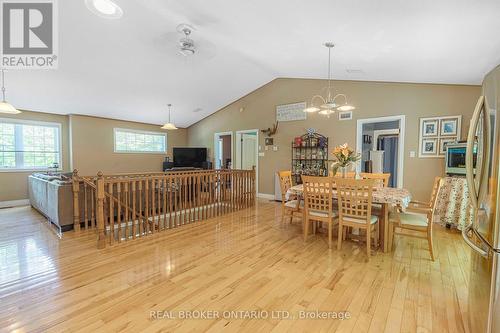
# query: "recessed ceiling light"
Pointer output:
{"type": "Point", "coordinates": [104, 8]}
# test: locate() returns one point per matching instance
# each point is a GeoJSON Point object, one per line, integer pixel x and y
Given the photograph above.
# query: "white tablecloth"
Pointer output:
{"type": "Point", "coordinates": [393, 196]}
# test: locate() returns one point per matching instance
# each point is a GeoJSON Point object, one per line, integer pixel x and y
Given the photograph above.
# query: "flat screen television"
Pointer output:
{"type": "Point", "coordinates": [190, 157]}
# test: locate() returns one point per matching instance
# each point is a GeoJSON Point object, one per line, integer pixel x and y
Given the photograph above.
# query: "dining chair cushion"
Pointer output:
{"type": "Point", "coordinates": [373, 220]}
{"type": "Point", "coordinates": [293, 204]}
{"type": "Point", "coordinates": [321, 214]}
{"type": "Point", "coordinates": [412, 219]}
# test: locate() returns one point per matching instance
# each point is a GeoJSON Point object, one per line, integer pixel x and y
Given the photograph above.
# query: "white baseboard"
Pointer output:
{"type": "Point", "coordinates": [265, 196]}
{"type": "Point", "coordinates": [14, 203]}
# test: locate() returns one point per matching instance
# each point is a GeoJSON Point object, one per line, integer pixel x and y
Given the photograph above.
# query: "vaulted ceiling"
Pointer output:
{"type": "Point", "coordinates": [130, 69]}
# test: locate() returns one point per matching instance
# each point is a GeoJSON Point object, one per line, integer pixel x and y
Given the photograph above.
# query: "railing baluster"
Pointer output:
{"type": "Point", "coordinates": [146, 205]}
{"type": "Point", "coordinates": [141, 211]}
{"type": "Point", "coordinates": [76, 201]}
{"type": "Point", "coordinates": [111, 215]}
{"type": "Point", "coordinates": [153, 204]}
{"type": "Point", "coordinates": [134, 216]}
{"type": "Point", "coordinates": [119, 211]}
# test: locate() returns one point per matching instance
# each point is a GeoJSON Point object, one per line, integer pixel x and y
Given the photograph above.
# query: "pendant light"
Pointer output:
{"type": "Point", "coordinates": [169, 125]}
{"type": "Point", "coordinates": [6, 107]}
{"type": "Point", "coordinates": [328, 103]}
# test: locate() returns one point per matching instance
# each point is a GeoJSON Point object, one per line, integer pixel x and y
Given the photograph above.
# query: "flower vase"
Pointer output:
{"type": "Point", "coordinates": [343, 171]}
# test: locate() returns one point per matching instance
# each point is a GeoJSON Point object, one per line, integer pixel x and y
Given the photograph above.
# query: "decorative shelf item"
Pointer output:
{"type": "Point", "coordinates": [309, 156]}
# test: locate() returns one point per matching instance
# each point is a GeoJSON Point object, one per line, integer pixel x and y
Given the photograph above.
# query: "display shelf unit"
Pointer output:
{"type": "Point", "coordinates": [309, 156]}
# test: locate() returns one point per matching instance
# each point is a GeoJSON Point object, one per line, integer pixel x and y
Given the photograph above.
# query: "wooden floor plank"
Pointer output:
{"type": "Point", "coordinates": [244, 261]}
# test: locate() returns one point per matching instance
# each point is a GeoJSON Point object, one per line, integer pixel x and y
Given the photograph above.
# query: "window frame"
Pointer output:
{"type": "Point", "coordinates": [129, 130]}
{"type": "Point", "coordinates": [36, 123]}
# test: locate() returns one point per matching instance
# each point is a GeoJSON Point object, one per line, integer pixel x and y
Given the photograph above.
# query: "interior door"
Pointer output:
{"type": "Point", "coordinates": [248, 151]}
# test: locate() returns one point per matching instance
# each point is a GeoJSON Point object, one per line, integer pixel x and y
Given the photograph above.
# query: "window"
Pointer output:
{"type": "Point", "coordinates": [133, 141]}
{"type": "Point", "coordinates": [29, 145]}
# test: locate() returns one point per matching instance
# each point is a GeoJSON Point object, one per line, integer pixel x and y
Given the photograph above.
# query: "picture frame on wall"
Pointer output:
{"type": "Point", "coordinates": [430, 127]}
{"type": "Point", "coordinates": [436, 132]}
{"type": "Point", "coordinates": [449, 126]}
{"type": "Point", "coordinates": [429, 147]}
{"type": "Point", "coordinates": [345, 115]}
{"type": "Point", "coordinates": [442, 144]}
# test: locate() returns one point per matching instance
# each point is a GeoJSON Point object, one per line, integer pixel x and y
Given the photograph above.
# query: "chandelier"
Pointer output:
{"type": "Point", "coordinates": [6, 107]}
{"type": "Point", "coordinates": [170, 125]}
{"type": "Point", "coordinates": [327, 104]}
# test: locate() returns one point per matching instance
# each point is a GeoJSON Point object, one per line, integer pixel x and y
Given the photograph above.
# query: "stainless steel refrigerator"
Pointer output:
{"type": "Point", "coordinates": [483, 235]}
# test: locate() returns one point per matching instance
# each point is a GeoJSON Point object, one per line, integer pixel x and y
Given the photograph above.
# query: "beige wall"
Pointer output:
{"type": "Point", "coordinates": [372, 99]}
{"type": "Point", "coordinates": [14, 185]}
{"type": "Point", "coordinates": [93, 146]}
{"type": "Point", "coordinates": [91, 141]}
{"type": "Point", "coordinates": [91, 138]}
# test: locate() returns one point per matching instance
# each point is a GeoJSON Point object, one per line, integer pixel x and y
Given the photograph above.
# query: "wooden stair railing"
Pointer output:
{"type": "Point", "coordinates": [129, 206]}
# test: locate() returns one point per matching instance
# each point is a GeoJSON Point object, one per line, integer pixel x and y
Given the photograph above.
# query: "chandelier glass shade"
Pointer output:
{"type": "Point", "coordinates": [327, 102]}
{"type": "Point", "coordinates": [6, 107]}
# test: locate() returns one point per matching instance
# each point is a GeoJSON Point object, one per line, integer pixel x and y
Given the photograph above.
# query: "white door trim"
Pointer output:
{"type": "Point", "coordinates": [401, 150]}
{"type": "Point", "coordinates": [216, 146]}
{"type": "Point", "coordinates": [237, 160]}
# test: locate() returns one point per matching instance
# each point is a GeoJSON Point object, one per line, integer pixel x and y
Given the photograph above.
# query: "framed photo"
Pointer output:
{"type": "Point", "coordinates": [429, 147]}
{"type": "Point", "coordinates": [442, 144]}
{"type": "Point", "coordinates": [269, 141]}
{"type": "Point", "coordinates": [436, 132]}
{"type": "Point", "coordinates": [345, 115]}
{"type": "Point", "coordinates": [430, 127]}
{"type": "Point", "coordinates": [450, 127]}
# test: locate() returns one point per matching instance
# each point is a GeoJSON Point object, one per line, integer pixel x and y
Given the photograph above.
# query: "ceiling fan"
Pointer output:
{"type": "Point", "coordinates": [186, 44]}
{"type": "Point", "coordinates": [181, 42]}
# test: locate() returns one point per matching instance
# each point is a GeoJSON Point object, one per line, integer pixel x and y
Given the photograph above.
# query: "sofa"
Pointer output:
{"type": "Point", "coordinates": [52, 196]}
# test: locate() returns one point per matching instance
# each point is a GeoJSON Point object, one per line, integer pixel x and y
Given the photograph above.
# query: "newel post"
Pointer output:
{"type": "Point", "coordinates": [76, 208]}
{"type": "Point", "coordinates": [101, 236]}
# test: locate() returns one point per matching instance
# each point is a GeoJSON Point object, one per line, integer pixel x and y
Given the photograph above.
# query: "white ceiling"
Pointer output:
{"type": "Point", "coordinates": [128, 68]}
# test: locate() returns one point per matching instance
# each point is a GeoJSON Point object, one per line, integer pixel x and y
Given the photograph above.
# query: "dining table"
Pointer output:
{"type": "Point", "coordinates": [387, 197]}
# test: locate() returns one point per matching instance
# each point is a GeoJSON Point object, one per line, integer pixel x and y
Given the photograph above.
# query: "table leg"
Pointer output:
{"type": "Point", "coordinates": [384, 228]}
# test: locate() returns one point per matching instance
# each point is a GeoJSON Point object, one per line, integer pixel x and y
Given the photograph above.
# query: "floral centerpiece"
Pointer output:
{"type": "Point", "coordinates": [344, 157]}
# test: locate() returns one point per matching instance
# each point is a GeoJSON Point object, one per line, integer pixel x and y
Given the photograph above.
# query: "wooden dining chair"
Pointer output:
{"type": "Point", "coordinates": [318, 204]}
{"type": "Point", "coordinates": [292, 206]}
{"type": "Point", "coordinates": [350, 174]}
{"type": "Point", "coordinates": [416, 221]}
{"type": "Point", "coordinates": [381, 179]}
{"type": "Point", "coordinates": [355, 209]}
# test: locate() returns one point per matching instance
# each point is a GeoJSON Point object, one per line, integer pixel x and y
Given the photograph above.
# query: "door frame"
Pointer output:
{"type": "Point", "coordinates": [237, 160]}
{"type": "Point", "coordinates": [401, 145]}
{"type": "Point", "coordinates": [216, 146]}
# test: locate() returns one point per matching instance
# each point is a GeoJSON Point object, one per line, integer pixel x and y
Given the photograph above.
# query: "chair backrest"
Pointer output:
{"type": "Point", "coordinates": [355, 198]}
{"type": "Point", "coordinates": [318, 194]}
{"type": "Point", "coordinates": [432, 203]}
{"type": "Point", "coordinates": [350, 174]}
{"type": "Point", "coordinates": [434, 194]}
{"type": "Point", "coordinates": [380, 178]}
{"type": "Point", "coordinates": [285, 182]}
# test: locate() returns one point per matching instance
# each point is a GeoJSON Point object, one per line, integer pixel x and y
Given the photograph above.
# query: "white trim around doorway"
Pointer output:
{"type": "Point", "coordinates": [237, 162]}
{"type": "Point", "coordinates": [401, 150]}
{"type": "Point", "coordinates": [216, 137]}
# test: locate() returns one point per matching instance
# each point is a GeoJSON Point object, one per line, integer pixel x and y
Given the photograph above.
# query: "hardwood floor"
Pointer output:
{"type": "Point", "coordinates": [247, 261]}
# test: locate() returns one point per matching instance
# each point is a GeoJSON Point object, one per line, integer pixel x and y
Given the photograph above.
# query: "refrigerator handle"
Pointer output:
{"type": "Point", "coordinates": [465, 235]}
{"type": "Point", "coordinates": [469, 158]}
